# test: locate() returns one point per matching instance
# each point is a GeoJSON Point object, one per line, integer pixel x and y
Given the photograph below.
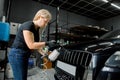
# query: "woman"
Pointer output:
{"type": "Point", "coordinates": [26, 40]}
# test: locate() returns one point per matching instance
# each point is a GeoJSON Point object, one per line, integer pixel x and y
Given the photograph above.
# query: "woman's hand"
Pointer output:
{"type": "Point", "coordinates": [42, 51]}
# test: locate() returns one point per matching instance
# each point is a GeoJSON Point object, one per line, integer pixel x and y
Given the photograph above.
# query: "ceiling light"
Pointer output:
{"type": "Point", "coordinates": [105, 1]}
{"type": "Point", "coordinates": [115, 6]}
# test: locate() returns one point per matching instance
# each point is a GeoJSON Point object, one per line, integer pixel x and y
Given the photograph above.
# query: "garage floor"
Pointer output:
{"type": "Point", "coordinates": [39, 74]}
{"type": "Point", "coordinates": [33, 74]}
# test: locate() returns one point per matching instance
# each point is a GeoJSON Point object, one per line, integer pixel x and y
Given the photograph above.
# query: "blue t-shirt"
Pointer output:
{"type": "Point", "coordinates": [19, 41]}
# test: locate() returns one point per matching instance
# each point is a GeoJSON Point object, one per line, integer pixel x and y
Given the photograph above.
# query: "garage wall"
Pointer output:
{"type": "Point", "coordinates": [112, 23]}
{"type": "Point", "coordinates": [73, 19]}
{"type": "Point", "coordinates": [1, 8]}
{"type": "Point", "coordinates": [23, 10]}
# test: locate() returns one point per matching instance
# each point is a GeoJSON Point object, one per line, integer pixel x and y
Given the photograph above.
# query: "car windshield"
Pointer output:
{"type": "Point", "coordinates": [111, 34]}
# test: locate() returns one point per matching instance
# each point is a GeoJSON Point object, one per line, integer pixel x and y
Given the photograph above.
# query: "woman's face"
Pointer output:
{"type": "Point", "coordinates": [43, 21]}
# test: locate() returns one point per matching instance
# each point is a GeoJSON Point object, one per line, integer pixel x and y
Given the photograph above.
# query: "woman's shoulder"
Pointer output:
{"type": "Point", "coordinates": [27, 25]}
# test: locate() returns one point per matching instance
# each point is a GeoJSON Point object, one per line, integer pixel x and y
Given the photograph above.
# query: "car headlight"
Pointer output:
{"type": "Point", "coordinates": [114, 60]}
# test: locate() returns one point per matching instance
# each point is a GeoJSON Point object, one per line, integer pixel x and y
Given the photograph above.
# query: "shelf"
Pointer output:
{"type": "Point", "coordinates": [88, 30]}
{"type": "Point", "coordinates": [72, 37]}
{"type": "Point", "coordinates": [80, 33]}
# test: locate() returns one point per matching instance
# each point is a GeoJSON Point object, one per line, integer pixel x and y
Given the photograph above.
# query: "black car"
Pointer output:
{"type": "Point", "coordinates": [100, 49]}
{"type": "Point", "coordinates": [111, 69]}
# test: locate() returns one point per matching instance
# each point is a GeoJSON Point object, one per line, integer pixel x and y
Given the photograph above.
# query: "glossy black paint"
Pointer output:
{"type": "Point", "coordinates": [101, 49]}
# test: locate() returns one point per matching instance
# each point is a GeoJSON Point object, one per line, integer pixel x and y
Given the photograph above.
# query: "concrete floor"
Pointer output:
{"type": "Point", "coordinates": [39, 74]}
{"type": "Point", "coordinates": [33, 74]}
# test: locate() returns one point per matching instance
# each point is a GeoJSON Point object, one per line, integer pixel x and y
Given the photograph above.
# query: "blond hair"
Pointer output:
{"type": "Point", "coordinates": [43, 12]}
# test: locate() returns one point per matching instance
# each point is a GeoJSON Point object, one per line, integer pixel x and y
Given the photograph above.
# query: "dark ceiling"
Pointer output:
{"type": "Point", "coordinates": [95, 9]}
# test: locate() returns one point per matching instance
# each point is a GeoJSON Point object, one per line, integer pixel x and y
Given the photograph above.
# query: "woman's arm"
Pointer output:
{"type": "Point", "coordinates": [29, 39]}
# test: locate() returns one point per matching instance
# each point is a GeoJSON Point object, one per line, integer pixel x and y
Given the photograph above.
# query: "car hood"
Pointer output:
{"type": "Point", "coordinates": [92, 45]}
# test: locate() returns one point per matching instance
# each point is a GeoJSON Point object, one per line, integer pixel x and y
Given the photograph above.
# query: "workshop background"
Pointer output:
{"type": "Point", "coordinates": [102, 15]}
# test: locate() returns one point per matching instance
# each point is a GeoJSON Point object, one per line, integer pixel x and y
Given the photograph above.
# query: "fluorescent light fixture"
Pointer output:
{"type": "Point", "coordinates": [105, 1]}
{"type": "Point", "coordinates": [115, 6]}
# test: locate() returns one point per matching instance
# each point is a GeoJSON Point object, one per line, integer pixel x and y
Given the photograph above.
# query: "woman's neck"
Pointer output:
{"type": "Point", "coordinates": [35, 25]}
